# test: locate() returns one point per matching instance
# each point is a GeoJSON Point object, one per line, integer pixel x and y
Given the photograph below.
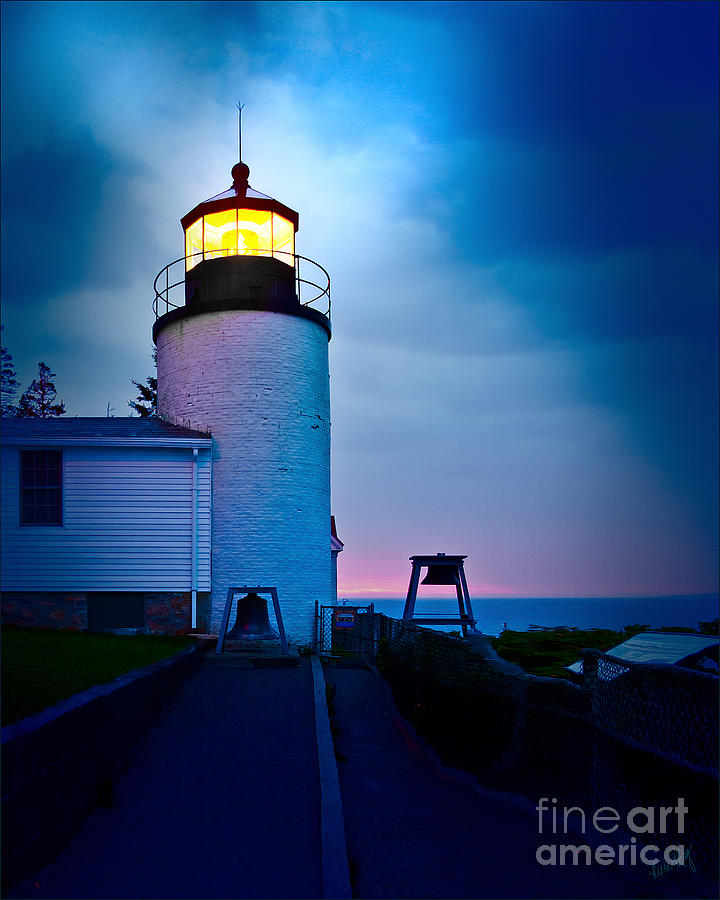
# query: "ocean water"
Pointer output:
{"type": "Point", "coordinates": [518, 614]}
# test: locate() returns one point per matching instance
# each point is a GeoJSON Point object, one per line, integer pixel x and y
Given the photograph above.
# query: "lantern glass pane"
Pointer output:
{"type": "Point", "coordinates": [221, 234]}
{"type": "Point", "coordinates": [283, 240]}
{"type": "Point", "coordinates": [193, 244]}
{"type": "Point", "coordinates": [254, 232]}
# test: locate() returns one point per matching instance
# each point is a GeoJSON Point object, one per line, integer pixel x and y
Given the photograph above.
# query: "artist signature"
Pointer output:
{"type": "Point", "coordinates": [661, 868]}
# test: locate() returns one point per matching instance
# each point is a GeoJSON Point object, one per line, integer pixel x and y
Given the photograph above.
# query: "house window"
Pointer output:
{"type": "Point", "coordinates": [41, 487]}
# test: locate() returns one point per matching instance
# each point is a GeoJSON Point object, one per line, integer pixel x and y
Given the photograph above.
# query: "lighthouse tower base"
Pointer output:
{"type": "Point", "coordinates": [258, 381]}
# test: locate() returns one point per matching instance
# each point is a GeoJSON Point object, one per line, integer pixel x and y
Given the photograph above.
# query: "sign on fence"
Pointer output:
{"type": "Point", "coordinates": [344, 619]}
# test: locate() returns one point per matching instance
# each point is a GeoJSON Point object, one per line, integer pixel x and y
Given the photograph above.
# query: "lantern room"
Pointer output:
{"type": "Point", "coordinates": [240, 243]}
{"type": "Point", "coordinates": [239, 253]}
{"type": "Point", "coordinates": [240, 222]}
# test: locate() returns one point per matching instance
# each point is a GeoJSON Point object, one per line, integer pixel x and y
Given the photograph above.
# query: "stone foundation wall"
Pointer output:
{"type": "Point", "coordinates": [166, 612]}
{"type": "Point", "coordinates": [45, 610]}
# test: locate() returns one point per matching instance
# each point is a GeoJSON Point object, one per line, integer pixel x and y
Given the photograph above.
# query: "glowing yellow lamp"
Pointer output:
{"type": "Point", "coordinates": [240, 222]}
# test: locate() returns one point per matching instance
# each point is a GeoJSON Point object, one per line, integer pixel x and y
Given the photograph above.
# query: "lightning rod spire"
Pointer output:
{"type": "Point", "coordinates": [240, 108]}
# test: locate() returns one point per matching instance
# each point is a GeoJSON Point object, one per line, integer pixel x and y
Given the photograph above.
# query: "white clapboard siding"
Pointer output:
{"type": "Point", "coordinates": [127, 523]}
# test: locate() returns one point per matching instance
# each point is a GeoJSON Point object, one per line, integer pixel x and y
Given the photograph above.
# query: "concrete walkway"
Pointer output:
{"type": "Point", "coordinates": [222, 800]}
{"type": "Point", "coordinates": [416, 828]}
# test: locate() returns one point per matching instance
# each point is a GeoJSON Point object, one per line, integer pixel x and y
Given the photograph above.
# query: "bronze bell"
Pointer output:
{"type": "Point", "coordinates": [251, 621]}
{"type": "Point", "coordinates": [441, 575]}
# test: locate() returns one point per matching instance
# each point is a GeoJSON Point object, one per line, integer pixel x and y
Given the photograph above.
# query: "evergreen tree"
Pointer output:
{"type": "Point", "coordinates": [38, 401]}
{"type": "Point", "coordinates": [8, 383]}
{"type": "Point", "coordinates": [145, 404]}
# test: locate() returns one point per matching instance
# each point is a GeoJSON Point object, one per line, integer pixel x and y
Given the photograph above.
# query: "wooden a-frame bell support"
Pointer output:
{"type": "Point", "coordinates": [441, 569]}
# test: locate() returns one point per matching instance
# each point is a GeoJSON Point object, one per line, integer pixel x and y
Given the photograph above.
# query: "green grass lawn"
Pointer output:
{"type": "Point", "coordinates": [546, 651]}
{"type": "Point", "coordinates": [41, 666]}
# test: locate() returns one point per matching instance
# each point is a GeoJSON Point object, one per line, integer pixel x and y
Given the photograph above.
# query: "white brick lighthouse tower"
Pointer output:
{"type": "Point", "coordinates": [242, 332]}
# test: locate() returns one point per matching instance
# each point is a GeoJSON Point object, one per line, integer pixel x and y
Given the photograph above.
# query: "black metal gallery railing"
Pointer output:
{"type": "Point", "coordinates": [312, 281]}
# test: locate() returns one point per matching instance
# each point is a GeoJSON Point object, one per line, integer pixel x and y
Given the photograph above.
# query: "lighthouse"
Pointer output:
{"type": "Point", "coordinates": [242, 330]}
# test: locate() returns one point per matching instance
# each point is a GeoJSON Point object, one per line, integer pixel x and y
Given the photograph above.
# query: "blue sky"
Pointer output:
{"type": "Point", "coordinates": [517, 203]}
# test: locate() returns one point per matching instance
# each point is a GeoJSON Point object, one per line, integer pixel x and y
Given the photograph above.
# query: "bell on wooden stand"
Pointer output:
{"type": "Point", "coordinates": [440, 575]}
{"type": "Point", "coordinates": [251, 621]}
{"type": "Point", "coordinates": [441, 570]}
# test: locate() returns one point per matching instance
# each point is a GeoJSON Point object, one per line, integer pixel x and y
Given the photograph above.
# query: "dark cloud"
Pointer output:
{"type": "Point", "coordinates": [56, 198]}
{"type": "Point", "coordinates": [655, 291]}
{"type": "Point", "coordinates": [666, 393]}
{"type": "Point", "coordinates": [563, 71]}
{"type": "Point", "coordinates": [575, 127]}
{"type": "Point", "coordinates": [52, 195]}
{"type": "Point", "coordinates": [651, 181]}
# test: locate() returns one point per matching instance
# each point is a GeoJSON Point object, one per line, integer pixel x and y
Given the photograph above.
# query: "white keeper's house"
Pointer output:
{"type": "Point", "coordinates": [145, 523]}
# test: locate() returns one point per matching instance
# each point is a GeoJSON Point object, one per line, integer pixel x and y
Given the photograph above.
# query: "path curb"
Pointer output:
{"type": "Point", "coordinates": [59, 763]}
{"type": "Point", "coordinates": [335, 870]}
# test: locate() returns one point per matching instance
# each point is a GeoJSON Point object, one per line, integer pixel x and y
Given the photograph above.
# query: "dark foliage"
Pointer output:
{"type": "Point", "coordinates": [546, 651]}
{"type": "Point", "coordinates": [39, 400]}
{"type": "Point", "coordinates": [8, 384]}
{"type": "Point", "coordinates": [145, 404]}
